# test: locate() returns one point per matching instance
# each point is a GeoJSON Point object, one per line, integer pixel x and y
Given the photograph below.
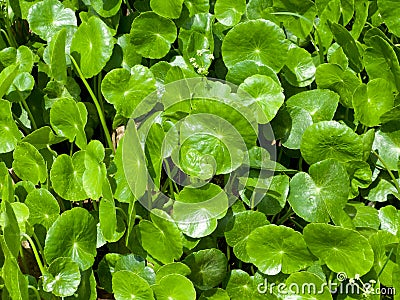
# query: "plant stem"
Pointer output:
{"type": "Point", "coordinates": [96, 103]}
{"type": "Point", "coordinates": [35, 291]}
{"type": "Point", "coordinates": [285, 217]}
{"type": "Point", "coordinates": [95, 206]}
{"type": "Point", "coordinates": [30, 115]}
{"type": "Point", "coordinates": [20, 124]}
{"type": "Point", "coordinates": [39, 245]}
{"type": "Point", "coordinates": [396, 184]}
{"type": "Point", "coordinates": [35, 252]}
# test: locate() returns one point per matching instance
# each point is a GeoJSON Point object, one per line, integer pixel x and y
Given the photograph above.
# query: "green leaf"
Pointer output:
{"type": "Point", "coordinates": [267, 95]}
{"type": "Point", "coordinates": [129, 56]}
{"type": "Point", "coordinates": [300, 121]}
{"type": "Point", "coordinates": [390, 219]}
{"type": "Point", "coordinates": [174, 286]}
{"type": "Point", "coordinates": [9, 133]}
{"type": "Point", "coordinates": [273, 249]}
{"type": "Point", "coordinates": [122, 192]}
{"type": "Point", "coordinates": [111, 226]}
{"type": "Point", "coordinates": [360, 176]}
{"type": "Point", "coordinates": [341, 249]}
{"type": "Point", "coordinates": [152, 35]}
{"type": "Point", "coordinates": [68, 119]}
{"type": "Point", "coordinates": [315, 196]}
{"type": "Point", "coordinates": [387, 144]}
{"type": "Point", "coordinates": [7, 77]}
{"type": "Point", "coordinates": [266, 45]}
{"type": "Point", "coordinates": [29, 164]}
{"type": "Point", "coordinates": [382, 243]}
{"type": "Point", "coordinates": [21, 87]}
{"type": "Point", "coordinates": [11, 230]}
{"type": "Point", "coordinates": [47, 17]}
{"type": "Point", "coordinates": [343, 82]}
{"type": "Point", "coordinates": [275, 198]}
{"type": "Point", "coordinates": [197, 6]}
{"type": "Point", "coordinates": [128, 285]}
{"type": "Point", "coordinates": [126, 89]}
{"type": "Point", "coordinates": [243, 224]}
{"type": "Point", "coordinates": [330, 139]}
{"type": "Point", "coordinates": [161, 238]}
{"type": "Point", "coordinates": [77, 243]}
{"type": "Point", "coordinates": [14, 280]}
{"type": "Point", "coordinates": [310, 285]}
{"type": "Point", "coordinates": [381, 61]}
{"type": "Point", "coordinates": [389, 11]}
{"type": "Point", "coordinates": [43, 207]}
{"type": "Point", "coordinates": [372, 100]}
{"type": "Point", "coordinates": [62, 278]}
{"type": "Point", "coordinates": [320, 104]}
{"type": "Point", "coordinates": [238, 73]}
{"type": "Point", "coordinates": [208, 268]}
{"type": "Point", "coordinates": [167, 8]}
{"type": "Point", "coordinates": [229, 12]}
{"type": "Point", "coordinates": [172, 268]}
{"type": "Point", "coordinates": [95, 170]}
{"type": "Point", "coordinates": [214, 294]}
{"type": "Point", "coordinates": [106, 8]}
{"type": "Point", "coordinates": [300, 69]}
{"type": "Point", "coordinates": [196, 210]}
{"type": "Point", "coordinates": [57, 59]}
{"type": "Point", "coordinates": [344, 39]}
{"type": "Point", "coordinates": [242, 286]}
{"type": "Point", "coordinates": [136, 265]}
{"type": "Point", "coordinates": [66, 176]}
{"type": "Point", "coordinates": [92, 46]}
{"type": "Point", "coordinates": [42, 137]}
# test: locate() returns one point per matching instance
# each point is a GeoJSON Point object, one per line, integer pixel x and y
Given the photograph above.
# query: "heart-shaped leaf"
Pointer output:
{"type": "Point", "coordinates": [299, 69]}
{"type": "Point", "coordinates": [77, 243]}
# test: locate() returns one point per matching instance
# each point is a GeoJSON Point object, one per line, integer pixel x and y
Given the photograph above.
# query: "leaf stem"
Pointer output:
{"type": "Point", "coordinates": [30, 115]}
{"type": "Point", "coordinates": [285, 217]}
{"type": "Point", "coordinates": [35, 291]}
{"type": "Point", "coordinates": [96, 103]}
{"type": "Point", "coordinates": [395, 182]}
{"type": "Point", "coordinates": [35, 252]}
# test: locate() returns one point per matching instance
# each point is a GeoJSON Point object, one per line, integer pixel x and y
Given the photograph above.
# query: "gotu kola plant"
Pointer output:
{"type": "Point", "coordinates": [259, 151]}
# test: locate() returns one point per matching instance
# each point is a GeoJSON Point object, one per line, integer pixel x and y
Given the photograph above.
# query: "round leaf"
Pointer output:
{"type": "Point", "coordinates": [229, 12]}
{"type": "Point", "coordinates": [238, 73]}
{"type": "Point", "coordinates": [242, 286]}
{"type": "Point", "coordinates": [266, 45]}
{"type": "Point", "coordinates": [174, 286]}
{"type": "Point", "coordinates": [161, 238]}
{"type": "Point", "coordinates": [167, 8]}
{"type": "Point", "coordinates": [300, 69]}
{"type": "Point", "coordinates": [267, 94]}
{"type": "Point", "coordinates": [29, 164]}
{"type": "Point", "coordinates": [92, 46]}
{"type": "Point", "coordinates": [62, 277]}
{"type": "Point", "coordinates": [172, 268]}
{"type": "Point", "coordinates": [330, 139]}
{"type": "Point", "coordinates": [128, 285]}
{"type": "Point", "coordinates": [106, 8]}
{"type": "Point", "coordinates": [343, 250]}
{"type": "Point", "coordinates": [310, 284]}
{"type": "Point", "coordinates": [68, 119]}
{"type": "Point", "coordinates": [314, 196]}
{"type": "Point", "coordinates": [66, 176]}
{"type": "Point", "coordinates": [152, 35]}
{"type": "Point", "coordinates": [243, 224]}
{"type": "Point", "coordinates": [9, 133]}
{"type": "Point", "coordinates": [387, 144]}
{"type": "Point", "coordinates": [43, 207]}
{"type": "Point", "coordinates": [300, 121]}
{"type": "Point", "coordinates": [273, 249]}
{"type": "Point", "coordinates": [126, 89]}
{"type": "Point", "coordinates": [320, 104]}
{"type": "Point", "coordinates": [371, 101]}
{"type": "Point", "coordinates": [48, 17]}
{"type": "Point", "coordinates": [208, 268]}
{"type": "Point", "coordinates": [77, 242]}
{"type": "Point", "coordinates": [196, 210]}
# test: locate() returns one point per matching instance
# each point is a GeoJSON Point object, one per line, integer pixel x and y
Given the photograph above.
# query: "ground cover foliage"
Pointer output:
{"type": "Point", "coordinates": [126, 173]}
